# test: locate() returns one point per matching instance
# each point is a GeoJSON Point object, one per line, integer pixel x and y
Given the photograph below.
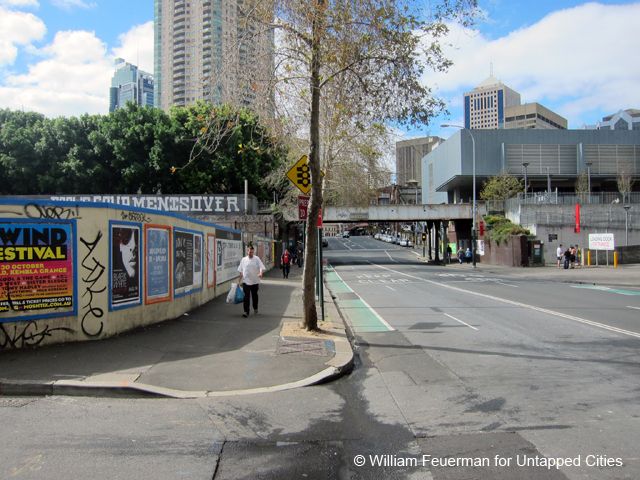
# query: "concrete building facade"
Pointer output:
{"type": "Point", "coordinates": [409, 154]}
{"type": "Point", "coordinates": [207, 50]}
{"type": "Point", "coordinates": [628, 119]}
{"type": "Point", "coordinates": [130, 84]}
{"type": "Point", "coordinates": [533, 115]}
{"type": "Point", "coordinates": [551, 156]}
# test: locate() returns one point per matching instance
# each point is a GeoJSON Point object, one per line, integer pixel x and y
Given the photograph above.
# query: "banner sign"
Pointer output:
{"type": "Point", "coordinates": [228, 256]}
{"type": "Point", "coordinates": [601, 241]}
{"type": "Point", "coordinates": [157, 260]}
{"type": "Point", "coordinates": [303, 206]}
{"type": "Point", "coordinates": [36, 267]}
{"type": "Point", "coordinates": [197, 260]}
{"type": "Point", "coordinates": [124, 265]}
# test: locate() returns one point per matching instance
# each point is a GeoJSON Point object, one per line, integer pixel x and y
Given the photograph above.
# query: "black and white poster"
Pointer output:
{"type": "Point", "coordinates": [183, 261]}
{"type": "Point", "coordinates": [125, 265]}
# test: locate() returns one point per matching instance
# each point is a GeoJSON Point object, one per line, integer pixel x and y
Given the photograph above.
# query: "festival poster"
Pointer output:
{"type": "Point", "coordinates": [228, 256]}
{"type": "Point", "coordinates": [211, 260]}
{"type": "Point", "coordinates": [197, 260]}
{"type": "Point", "coordinates": [157, 260]}
{"type": "Point", "coordinates": [125, 265]}
{"type": "Point", "coordinates": [36, 267]}
{"type": "Point", "coordinates": [182, 261]}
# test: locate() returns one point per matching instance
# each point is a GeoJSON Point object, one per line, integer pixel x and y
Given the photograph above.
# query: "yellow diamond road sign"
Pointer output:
{"type": "Point", "coordinates": [300, 175]}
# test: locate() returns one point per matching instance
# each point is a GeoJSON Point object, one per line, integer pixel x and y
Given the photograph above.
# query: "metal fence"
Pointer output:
{"type": "Point", "coordinates": [597, 198]}
{"type": "Point", "coordinates": [612, 218]}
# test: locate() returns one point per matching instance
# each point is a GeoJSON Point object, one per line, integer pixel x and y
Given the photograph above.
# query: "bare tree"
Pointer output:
{"type": "Point", "coordinates": [363, 59]}
{"type": "Point", "coordinates": [625, 180]}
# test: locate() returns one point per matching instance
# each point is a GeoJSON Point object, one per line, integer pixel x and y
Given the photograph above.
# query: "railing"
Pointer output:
{"type": "Point", "coordinates": [554, 198]}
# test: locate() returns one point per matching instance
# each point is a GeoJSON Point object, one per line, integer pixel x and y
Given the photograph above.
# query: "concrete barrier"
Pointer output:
{"type": "Point", "coordinates": [86, 271]}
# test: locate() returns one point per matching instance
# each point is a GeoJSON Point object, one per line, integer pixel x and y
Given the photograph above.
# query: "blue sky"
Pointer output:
{"type": "Point", "coordinates": [576, 58]}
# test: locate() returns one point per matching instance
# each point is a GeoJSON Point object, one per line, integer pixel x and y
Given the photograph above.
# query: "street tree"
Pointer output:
{"type": "Point", "coordinates": [501, 187]}
{"type": "Point", "coordinates": [625, 180]}
{"type": "Point", "coordinates": [377, 50]}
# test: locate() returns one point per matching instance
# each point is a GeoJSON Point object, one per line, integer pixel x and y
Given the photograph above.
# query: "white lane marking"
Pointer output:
{"type": "Point", "coordinates": [507, 284]}
{"type": "Point", "coordinates": [377, 315]}
{"type": "Point", "coordinates": [389, 256]}
{"type": "Point", "coordinates": [522, 305]}
{"type": "Point", "coordinates": [390, 288]}
{"type": "Point", "coordinates": [635, 308]}
{"type": "Point", "coordinates": [460, 321]}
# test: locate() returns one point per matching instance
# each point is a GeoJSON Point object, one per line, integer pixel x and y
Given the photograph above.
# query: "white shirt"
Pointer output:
{"type": "Point", "coordinates": [250, 268]}
{"type": "Point", "coordinates": [559, 252]}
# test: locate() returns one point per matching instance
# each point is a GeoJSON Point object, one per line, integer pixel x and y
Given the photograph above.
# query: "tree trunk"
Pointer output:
{"type": "Point", "coordinates": [311, 248]}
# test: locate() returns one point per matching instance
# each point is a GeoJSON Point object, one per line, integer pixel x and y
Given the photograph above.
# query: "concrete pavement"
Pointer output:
{"type": "Point", "coordinates": [211, 351]}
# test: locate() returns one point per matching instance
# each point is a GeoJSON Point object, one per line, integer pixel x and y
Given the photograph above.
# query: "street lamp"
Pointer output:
{"type": "Point", "coordinates": [548, 183]}
{"type": "Point", "coordinates": [473, 208]}
{"type": "Point", "coordinates": [588, 164]}
{"type": "Point", "coordinates": [626, 224]}
{"type": "Point", "coordinates": [525, 165]}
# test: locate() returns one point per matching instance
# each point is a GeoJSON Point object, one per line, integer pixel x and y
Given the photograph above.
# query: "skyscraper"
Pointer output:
{"type": "Point", "coordinates": [493, 105]}
{"type": "Point", "coordinates": [208, 50]}
{"type": "Point", "coordinates": [129, 84]}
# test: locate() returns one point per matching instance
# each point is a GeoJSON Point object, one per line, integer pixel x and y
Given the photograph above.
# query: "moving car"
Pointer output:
{"type": "Point", "coordinates": [345, 234]}
{"type": "Point", "coordinates": [325, 242]}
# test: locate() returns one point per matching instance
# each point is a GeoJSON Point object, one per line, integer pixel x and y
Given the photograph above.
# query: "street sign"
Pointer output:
{"type": "Point", "coordinates": [303, 205]}
{"type": "Point", "coordinates": [300, 175]}
{"type": "Point", "coordinates": [601, 241]}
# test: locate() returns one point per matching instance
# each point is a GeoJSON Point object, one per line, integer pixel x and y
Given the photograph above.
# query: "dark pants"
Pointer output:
{"type": "Point", "coordinates": [285, 270]}
{"type": "Point", "coordinates": [253, 291]}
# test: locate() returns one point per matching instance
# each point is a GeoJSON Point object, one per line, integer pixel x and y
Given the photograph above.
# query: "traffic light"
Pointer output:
{"type": "Point", "coordinates": [424, 237]}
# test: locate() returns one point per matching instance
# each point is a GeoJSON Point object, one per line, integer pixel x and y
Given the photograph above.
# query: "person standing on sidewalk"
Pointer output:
{"type": "Point", "coordinates": [285, 261]}
{"type": "Point", "coordinates": [559, 254]}
{"type": "Point", "coordinates": [251, 269]}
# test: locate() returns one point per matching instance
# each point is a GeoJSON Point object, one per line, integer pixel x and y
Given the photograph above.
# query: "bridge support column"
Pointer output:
{"type": "Point", "coordinates": [437, 226]}
{"type": "Point", "coordinates": [429, 228]}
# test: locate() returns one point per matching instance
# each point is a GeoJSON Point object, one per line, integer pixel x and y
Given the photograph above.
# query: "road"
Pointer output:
{"type": "Point", "coordinates": [451, 367]}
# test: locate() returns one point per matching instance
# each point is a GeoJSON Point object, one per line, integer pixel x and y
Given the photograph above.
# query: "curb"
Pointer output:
{"type": "Point", "coordinates": [339, 365]}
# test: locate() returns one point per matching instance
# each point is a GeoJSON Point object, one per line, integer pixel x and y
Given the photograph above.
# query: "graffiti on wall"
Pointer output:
{"type": "Point", "coordinates": [36, 267]}
{"type": "Point", "coordinates": [93, 285]}
{"type": "Point", "coordinates": [29, 334]}
{"type": "Point", "coordinates": [50, 212]}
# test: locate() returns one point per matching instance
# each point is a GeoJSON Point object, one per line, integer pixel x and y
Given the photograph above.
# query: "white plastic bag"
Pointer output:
{"type": "Point", "coordinates": [231, 296]}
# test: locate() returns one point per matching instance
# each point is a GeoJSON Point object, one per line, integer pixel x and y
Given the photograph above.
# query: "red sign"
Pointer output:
{"type": "Point", "coordinates": [481, 228]}
{"type": "Point", "coordinates": [303, 205]}
{"type": "Point", "coordinates": [577, 229]}
{"type": "Point", "coordinates": [320, 219]}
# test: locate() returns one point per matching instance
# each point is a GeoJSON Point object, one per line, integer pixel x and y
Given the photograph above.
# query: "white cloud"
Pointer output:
{"type": "Point", "coordinates": [71, 4]}
{"type": "Point", "coordinates": [575, 61]}
{"type": "Point", "coordinates": [20, 3]}
{"type": "Point", "coordinates": [75, 73]}
{"type": "Point", "coordinates": [17, 29]}
{"type": "Point", "coordinates": [136, 46]}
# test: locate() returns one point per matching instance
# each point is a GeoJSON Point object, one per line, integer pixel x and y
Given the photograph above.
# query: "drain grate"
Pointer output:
{"type": "Point", "coordinates": [305, 346]}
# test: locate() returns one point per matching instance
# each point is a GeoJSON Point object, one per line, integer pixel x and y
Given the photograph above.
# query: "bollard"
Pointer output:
{"type": "Point", "coordinates": [588, 258]}
{"type": "Point", "coordinates": [615, 259]}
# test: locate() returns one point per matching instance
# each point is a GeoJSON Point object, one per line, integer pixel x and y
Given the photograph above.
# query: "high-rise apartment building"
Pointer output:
{"type": "Point", "coordinates": [492, 105]}
{"type": "Point", "coordinates": [130, 84]}
{"type": "Point", "coordinates": [208, 50]}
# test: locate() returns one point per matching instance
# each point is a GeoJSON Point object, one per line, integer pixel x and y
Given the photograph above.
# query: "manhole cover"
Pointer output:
{"type": "Point", "coordinates": [15, 402]}
{"type": "Point", "coordinates": [305, 346]}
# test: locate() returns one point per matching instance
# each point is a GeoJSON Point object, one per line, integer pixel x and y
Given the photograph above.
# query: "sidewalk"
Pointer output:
{"type": "Point", "coordinates": [211, 351]}
{"type": "Point", "coordinates": [624, 275]}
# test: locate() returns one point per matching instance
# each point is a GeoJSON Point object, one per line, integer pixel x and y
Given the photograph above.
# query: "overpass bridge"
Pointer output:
{"type": "Point", "coordinates": [400, 213]}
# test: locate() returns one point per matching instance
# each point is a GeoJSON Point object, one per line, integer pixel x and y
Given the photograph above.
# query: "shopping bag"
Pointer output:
{"type": "Point", "coordinates": [231, 296]}
{"type": "Point", "coordinates": [239, 298]}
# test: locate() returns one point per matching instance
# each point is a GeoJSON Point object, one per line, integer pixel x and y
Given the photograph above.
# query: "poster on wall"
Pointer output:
{"type": "Point", "coordinates": [197, 260]}
{"type": "Point", "coordinates": [211, 260]}
{"type": "Point", "coordinates": [158, 288]}
{"type": "Point", "coordinates": [36, 268]}
{"type": "Point", "coordinates": [228, 256]}
{"type": "Point", "coordinates": [125, 265]}
{"type": "Point", "coordinates": [182, 261]}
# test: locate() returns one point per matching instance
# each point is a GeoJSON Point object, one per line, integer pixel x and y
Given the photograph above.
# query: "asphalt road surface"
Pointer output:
{"type": "Point", "coordinates": [458, 376]}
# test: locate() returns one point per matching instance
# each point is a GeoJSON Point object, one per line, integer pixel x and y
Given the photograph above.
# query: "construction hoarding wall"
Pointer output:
{"type": "Point", "coordinates": [85, 271]}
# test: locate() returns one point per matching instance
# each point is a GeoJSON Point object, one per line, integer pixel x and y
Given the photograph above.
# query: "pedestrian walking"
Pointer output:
{"type": "Point", "coordinates": [460, 255]}
{"type": "Point", "coordinates": [559, 254]}
{"type": "Point", "coordinates": [572, 257]}
{"type": "Point", "coordinates": [567, 258]}
{"type": "Point", "coordinates": [251, 269]}
{"type": "Point", "coordinates": [468, 255]}
{"type": "Point", "coordinates": [285, 261]}
{"type": "Point", "coordinates": [449, 252]}
{"type": "Point", "coordinates": [299, 258]}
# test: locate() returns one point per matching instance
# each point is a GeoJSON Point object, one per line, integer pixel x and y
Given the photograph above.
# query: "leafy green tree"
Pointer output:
{"type": "Point", "coordinates": [501, 187]}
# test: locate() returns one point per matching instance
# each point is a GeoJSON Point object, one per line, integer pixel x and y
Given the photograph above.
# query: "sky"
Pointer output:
{"type": "Point", "coordinates": [579, 59]}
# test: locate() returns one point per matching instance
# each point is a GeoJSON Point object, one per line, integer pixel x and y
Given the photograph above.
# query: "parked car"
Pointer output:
{"type": "Point", "coordinates": [345, 234]}
{"type": "Point", "coordinates": [403, 242]}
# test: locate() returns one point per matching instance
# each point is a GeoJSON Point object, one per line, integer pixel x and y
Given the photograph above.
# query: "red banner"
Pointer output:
{"type": "Point", "coordinates": [577, 229]}
{"type": "Point", "coordinates": [320, 219]}
{"type": "Point", "coordinates": [303, 205]}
